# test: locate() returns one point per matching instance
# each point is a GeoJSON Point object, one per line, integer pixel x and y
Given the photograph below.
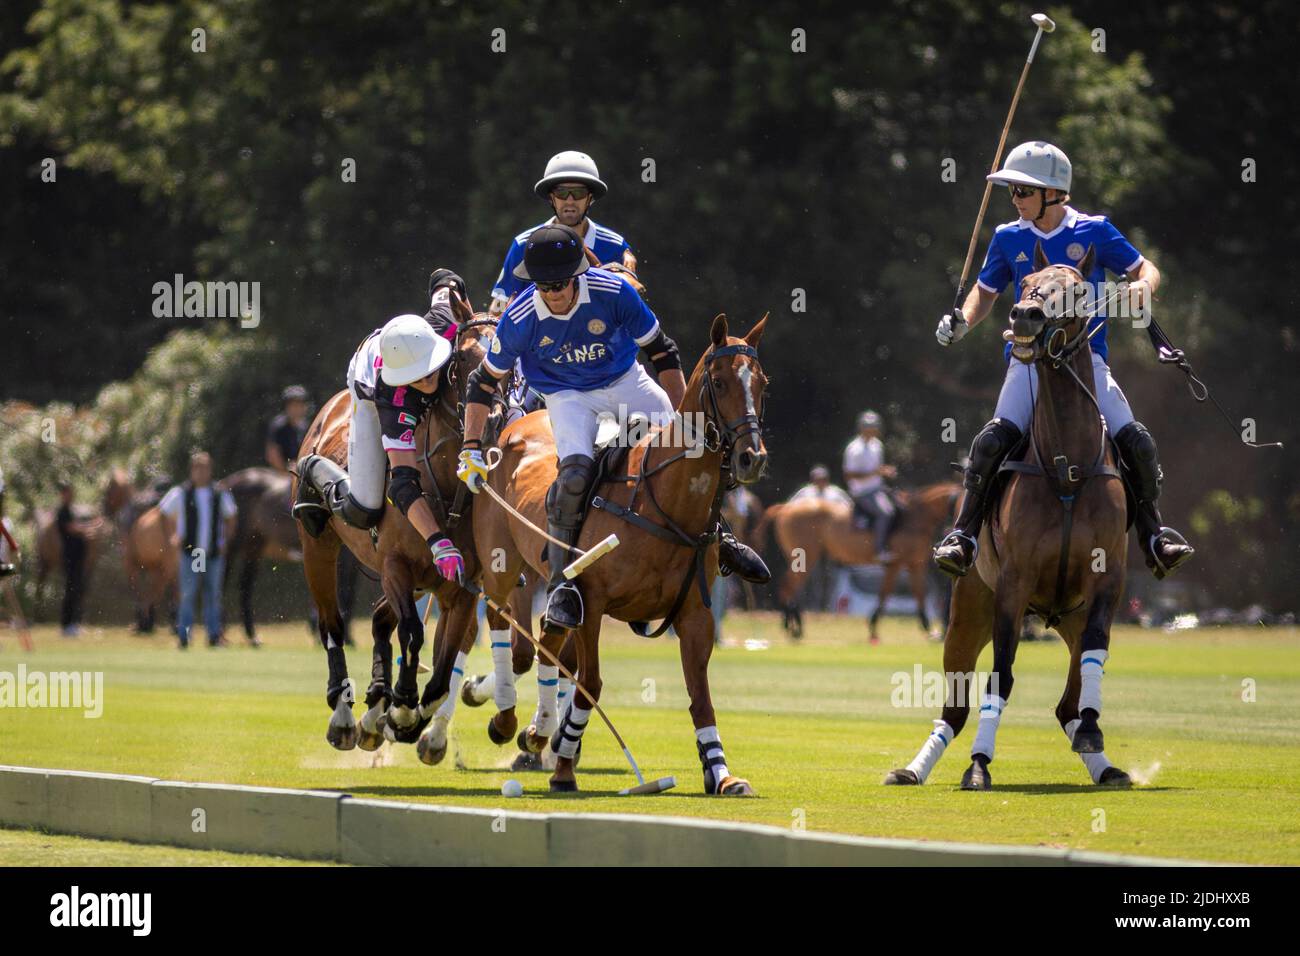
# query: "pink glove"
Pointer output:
{"type": "Point", "coordinates": [448, 560]}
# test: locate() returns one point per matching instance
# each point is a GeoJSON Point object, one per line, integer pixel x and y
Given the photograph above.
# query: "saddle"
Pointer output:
{"type": "Point", "coordinates": [1018, 457]}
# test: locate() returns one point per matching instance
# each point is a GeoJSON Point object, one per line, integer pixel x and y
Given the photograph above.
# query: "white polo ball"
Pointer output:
{"type": "Point", "coordinates": [512, 788]}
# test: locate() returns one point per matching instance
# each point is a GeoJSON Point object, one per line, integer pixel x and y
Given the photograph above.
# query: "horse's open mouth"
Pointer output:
{"type": "Point", "coordinates": [1022, 346]}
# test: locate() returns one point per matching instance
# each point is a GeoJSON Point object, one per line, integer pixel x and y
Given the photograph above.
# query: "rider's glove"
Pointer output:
{"type": "Point", "coordinates": [951, 328]}
{"type": "Point", "coordinates": [447, 559]}
{"type": "Point", "coordinates": [472, 468]}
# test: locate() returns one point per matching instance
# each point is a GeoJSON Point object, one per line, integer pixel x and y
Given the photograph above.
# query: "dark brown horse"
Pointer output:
{"type": "Point", "coordinates": [1055, 543]}
{"type": "Point", "coordinates": [808, 529]}
{"type": "Point", "coordinates": [401, 559]}
{"type": "Point", "coordinates": [668, 557]}
{"type": "Point", "coordinates": [264, 529]}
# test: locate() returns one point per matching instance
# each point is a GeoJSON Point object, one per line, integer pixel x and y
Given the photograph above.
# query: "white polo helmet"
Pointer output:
{"type": "Point", "coordinates": [1035, 164]}
{"type": "Point", "coordinates": [411, 349]}
{"type": "Point", "coordinates": [571, 166]}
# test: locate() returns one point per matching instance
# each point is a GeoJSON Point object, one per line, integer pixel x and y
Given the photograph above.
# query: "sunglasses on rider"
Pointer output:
{"type": "Point", "coordinates": [553, 286]}
{"type": "Point", "coordinates": [571, 192]}
{"type": "Point", "coordinates": [1023, 192]}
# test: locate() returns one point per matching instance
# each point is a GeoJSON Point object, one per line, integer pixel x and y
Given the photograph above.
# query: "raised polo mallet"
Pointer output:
{"type": "Point", "coordinates": [1045, 24]}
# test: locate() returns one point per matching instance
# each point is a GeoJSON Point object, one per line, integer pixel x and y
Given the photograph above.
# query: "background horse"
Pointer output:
{"type": "Point", "coordinates": [401, 559]}
{"type": "Point", "coordinates": [1055, 543]}
{"type": "Point", "coordinates": [657, 572]}
{"type": "Point", "coordinates": [821, 527]}
{"type": "Point", "coordinates": [264, 528]}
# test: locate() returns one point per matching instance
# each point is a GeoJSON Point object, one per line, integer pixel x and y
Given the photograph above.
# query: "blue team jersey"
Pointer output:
{"type": "Point", "coordinates": [1011, 257]}
{"type": "Point", "coordinates": [608, 246]}
{"type": "Point", "coordinates": [591, 346]}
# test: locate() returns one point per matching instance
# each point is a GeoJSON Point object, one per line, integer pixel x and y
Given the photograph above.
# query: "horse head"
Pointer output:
{"type": "Point", "coordinates": [731, 386]}
{"type": "Point", "coordinates": [1048, 315]}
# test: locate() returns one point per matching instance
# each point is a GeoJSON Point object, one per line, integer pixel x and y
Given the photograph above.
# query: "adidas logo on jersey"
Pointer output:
{"type": "Point", "coordinates": [546, 340]}
{"type": "Point", "coordinates": [1022, 257]}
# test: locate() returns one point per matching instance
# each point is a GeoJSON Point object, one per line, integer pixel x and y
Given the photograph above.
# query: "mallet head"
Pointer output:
{"type": "Point", "coordinates": [1043, 22]}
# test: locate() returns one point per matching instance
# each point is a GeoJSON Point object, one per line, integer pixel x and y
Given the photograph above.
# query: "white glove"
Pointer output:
{"type": "Point", "coordinates": [951, 328]}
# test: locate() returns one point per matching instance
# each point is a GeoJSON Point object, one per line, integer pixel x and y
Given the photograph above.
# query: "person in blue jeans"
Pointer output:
{"type": "Point", "coordinates": [203, 518]}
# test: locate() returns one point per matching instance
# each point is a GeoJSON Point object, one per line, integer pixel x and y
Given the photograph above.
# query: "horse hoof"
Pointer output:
{"type": "Point", "coordinates": [1114, 777]}
{"type": "Point", "coordinates": [499, 737]}
{"type": "Point", "coordinates": [525, 762]}
{"type": "Point", "coordinates": [977, 777]}
{"type": "Point", "coordinates": [735, 787]}
{"type": "Point", "coordinates": [370, 729]}
{"type": "Point", "coordinates": [902, 778]}
{"type": "Point", "coordinates": [467, 691]}
{"type": "Point", "coordinates": [370, 741]}
{"type": "Point", "coordinates": [1088, 742]}
{"type": "Point", "coordinates": [530, 741]}
{"type": "Point", "coordinates": [564, 786]}
{"type": "Point", "coordinates": [342, 738]}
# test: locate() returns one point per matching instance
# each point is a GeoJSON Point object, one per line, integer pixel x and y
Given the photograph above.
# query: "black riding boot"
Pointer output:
{"type": "Point", "coordinates": [734, 555]}
{"type": "Point", "coordinates": [565, 502]}
{"type": "Point", "coordinates": [6, 570]}
{"type": "Point", "coordinates": [1163, 548]}
{"type": "Point", "coordinates": [957, 551]}
{"type": "Point", "coordinates": [323, 490]}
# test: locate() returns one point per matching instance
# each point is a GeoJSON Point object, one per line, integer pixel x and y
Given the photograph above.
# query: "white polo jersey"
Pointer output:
{"type": "Point", "coordinates": [863, 455]}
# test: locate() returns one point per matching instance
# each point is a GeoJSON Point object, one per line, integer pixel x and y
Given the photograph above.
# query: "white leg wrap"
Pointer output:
{"type": "Point", "coordinates": [990, 717]}
{"type": "Point", "coordinates": [711, 746]}
{"type": "Point", "coordinates": [448, 706]}
{"type": "Point", "coordinates": [485, 688]}
{"type": "Point", "coordinates": [547, 717]}
{"type": "Point", "coordinates": [931, 750]}
{"type": "Point", "coordinates": [503, 692]}
{"type": "Point", "coordinates": [563, 694]}
{"type": "Point", "coordinates": [1090, 671]}
{"type": "Point", "coordinates": [575, 722]}
{"type": "Point", "coordinates": [1096, 763]}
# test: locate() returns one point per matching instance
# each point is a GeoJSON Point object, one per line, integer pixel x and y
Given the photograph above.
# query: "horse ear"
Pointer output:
{"type": "Point", "coordinates": [1086, 263]}
{"type": "Point", "coordinates": [460, 309]}
{"type": "Point", "coordinates": [1040, 257]}
{"type": "Point", "coordinates": [719, 331]}
{"type": "Point", "coordinates": [755, 335]}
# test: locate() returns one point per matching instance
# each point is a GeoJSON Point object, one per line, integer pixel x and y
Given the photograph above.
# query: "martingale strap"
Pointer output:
{"type": "Point", "coordinates": [1066, 476]}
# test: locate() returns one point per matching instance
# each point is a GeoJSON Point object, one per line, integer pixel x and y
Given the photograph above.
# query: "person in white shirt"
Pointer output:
{"type": "Point", "coordinates": [865, 472]}
{"type": "Point", "coordinates": [203, 517]}
{"type": "Point", "coordinates": [819, 486]}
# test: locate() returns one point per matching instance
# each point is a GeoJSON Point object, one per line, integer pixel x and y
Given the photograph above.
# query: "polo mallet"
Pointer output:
{"type": "Point", "coordinates": [585, 558]}
{"type": "Point", "coordinates": [642, 786]}
{"type": "Point", "coordinates": [1045, 24]}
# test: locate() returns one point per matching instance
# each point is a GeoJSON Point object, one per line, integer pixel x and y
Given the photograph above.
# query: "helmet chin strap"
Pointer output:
{"type": "Point", "coordinates": [1044, 202]}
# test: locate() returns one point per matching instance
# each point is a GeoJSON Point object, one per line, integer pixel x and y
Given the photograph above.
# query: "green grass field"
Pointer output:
{"type": "Point", "coordinates": [811, 725]}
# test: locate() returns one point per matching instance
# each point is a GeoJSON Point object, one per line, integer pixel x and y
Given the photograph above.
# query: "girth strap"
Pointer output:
{"type": "Point", "coordinates": [694, 573]}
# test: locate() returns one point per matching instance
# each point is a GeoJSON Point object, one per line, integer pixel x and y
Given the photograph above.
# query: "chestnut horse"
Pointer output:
{"type": "Point", "coordinates": [664, 515]}
{"type": "Point", "coordinates": [817, 527]}
{"type": "Point", "coordinates": [401, 558]}
{"type": "Point", "coordinates": [1055, 543]}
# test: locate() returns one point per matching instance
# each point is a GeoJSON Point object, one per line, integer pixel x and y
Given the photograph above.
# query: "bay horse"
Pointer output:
{"type": "Point", "coordinates": [1055, 542]}
{"type": "Point", "coordinates": [264, 529]}
{"type": "Point", "coordinates": [400, 557]}
{"type": "Point", "coordinates": [664, 509]}
{"type": "Point", "coordinates": [813, 528]}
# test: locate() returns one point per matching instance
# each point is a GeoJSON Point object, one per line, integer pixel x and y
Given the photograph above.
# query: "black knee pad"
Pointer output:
{"type": "Point", "coordinates": [357, 514]}
{"type": "Point", "coordinates": [1142, 458]}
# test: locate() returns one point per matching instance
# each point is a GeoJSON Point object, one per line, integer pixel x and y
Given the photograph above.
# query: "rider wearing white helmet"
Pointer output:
{"type": "Point", "coordinates": [1039, 176]}
{"type": "Point", "coordinates": [570, 185]}
{"type": "Point", "coordinates": [394, 378]}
